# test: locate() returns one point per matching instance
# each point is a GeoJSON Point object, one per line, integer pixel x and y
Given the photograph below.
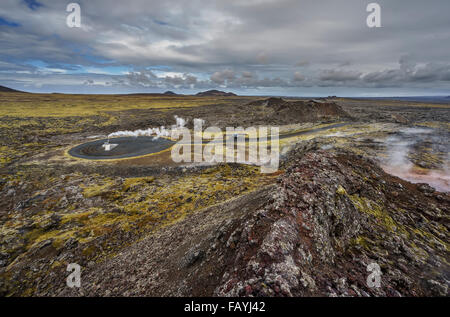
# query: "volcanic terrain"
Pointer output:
{"type": "Point", "coordinates": [360, 183]}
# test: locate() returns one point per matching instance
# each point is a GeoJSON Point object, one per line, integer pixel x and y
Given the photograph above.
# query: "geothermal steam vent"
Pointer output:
{"type": "Point", "coordinates": [122, 147]}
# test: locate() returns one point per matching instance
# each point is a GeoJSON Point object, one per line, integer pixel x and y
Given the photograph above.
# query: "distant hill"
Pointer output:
{"type": "Point", "coordinates": [6, 89]}
{"type": "Point", "coordinates": [169, 93]}
{"type": "Point", "coordinates": [299, 111]}
{"type": "Point", "coordinates": [215, 93]}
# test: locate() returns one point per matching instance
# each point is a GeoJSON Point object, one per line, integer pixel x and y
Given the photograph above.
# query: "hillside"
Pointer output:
{"type": "Point", "coordinates": [170, 93]}
{"type": "Point", "coordinates": [6, 89]}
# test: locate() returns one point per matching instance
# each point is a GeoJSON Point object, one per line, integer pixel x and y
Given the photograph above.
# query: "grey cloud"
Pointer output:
{"type": "Point", "coordinates": [339, 75]}
{"type": "Point", "coordinates": [302, 64]}
{"type": "Point", "coordinates": [298, 76]}
{"type": "Point", "coordinates": [185, 81]}
{"type": "Point", "coordinates": [410, 72]}
{"type": "Point", "coordinates": [147, 79]}
{"type": "Point", "coordinates": [221, 77]}
{"type": "Point", "coordinates": [247, 75]}
{"type": "Point", "coordinates": [258, 44]}
{"type": "Point", "coordinates": [141, 78]}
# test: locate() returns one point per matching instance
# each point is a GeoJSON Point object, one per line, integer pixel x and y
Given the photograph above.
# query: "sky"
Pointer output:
{"type": "Point", "coordinates": [250, 47]}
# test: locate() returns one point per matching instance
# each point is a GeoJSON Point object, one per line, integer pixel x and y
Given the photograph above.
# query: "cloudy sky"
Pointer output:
{"type": "Point", "coordinates": [252, 47]}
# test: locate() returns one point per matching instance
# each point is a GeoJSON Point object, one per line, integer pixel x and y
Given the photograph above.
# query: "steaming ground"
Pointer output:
{"type": "Point", "coordinates": [404, 147]}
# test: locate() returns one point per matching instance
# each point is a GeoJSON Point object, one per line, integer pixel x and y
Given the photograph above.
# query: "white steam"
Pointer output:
{"type": "Point", "coordinates": [198, 124]}
{"type": "Point", "coordinates": [155, 132]}
{"type": "Point", "coordinates": [397, 163]}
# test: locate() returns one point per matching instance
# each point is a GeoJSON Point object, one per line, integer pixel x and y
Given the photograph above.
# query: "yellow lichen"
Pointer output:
{"type": "Point", "coordinates": [341, 190]}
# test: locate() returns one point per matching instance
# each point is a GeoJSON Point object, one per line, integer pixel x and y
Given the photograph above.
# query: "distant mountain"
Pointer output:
{"type": "Point", "coordinates": [169, 93]}
{"type": "Point", "coordinates": [6, 89]}
{"type": "Point", "coordinates": [215, 93]}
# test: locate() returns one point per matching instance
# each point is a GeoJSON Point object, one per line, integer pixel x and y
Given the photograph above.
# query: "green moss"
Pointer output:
{"type": "Point", "coordinates": [97, 190]}
{"type": "Point", "coordinates": [132, 182]}
{"type": "Point", "coordinates": [341, 190]}
{"type": "Point", "coordinates": [430, 238]}
{"type": "Point", "coordinates": [367, 206]}
{"type": "Point", "coordinates": [76, 217]}
{"type": "Point", "coordinates": [33, 235]}
{"type": "Point", "coordinates": [89, 251]}
{"type": "Point", "coordinates": [56, 264]}
{"type": "Point", "coordinates": [361, 241]}
{"type": "Point", "coordinates": [58, 237]}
